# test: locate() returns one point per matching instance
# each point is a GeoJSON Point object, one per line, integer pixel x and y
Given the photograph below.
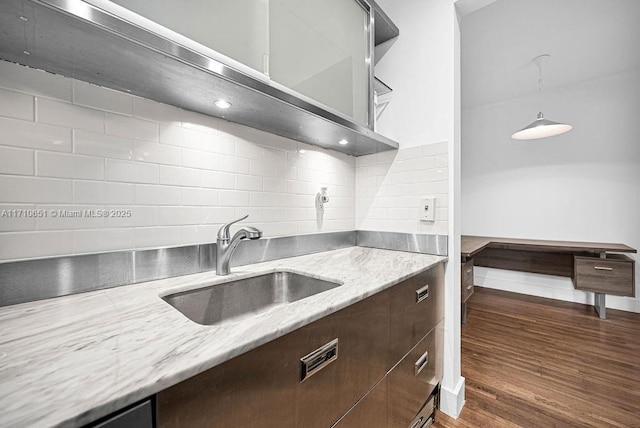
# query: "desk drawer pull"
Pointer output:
{"type": "Point", "coordinates": [422, 293]}
{"type": "Point", "coordinates": [602, 268]}
{"type": "Point", "coordinates": [469, 287]}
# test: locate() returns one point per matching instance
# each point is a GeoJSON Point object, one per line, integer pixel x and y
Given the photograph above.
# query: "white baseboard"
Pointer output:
{"type": "Point", "coordinates": [452, 401]}
{"type": "Point", "coordinates": [551, 287]}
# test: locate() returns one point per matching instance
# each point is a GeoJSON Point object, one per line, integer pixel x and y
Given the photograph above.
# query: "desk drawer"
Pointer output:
{"type": "Point", "coordinates": [613, 275]}
{"type": "Point", "coordinates": [466, 282]}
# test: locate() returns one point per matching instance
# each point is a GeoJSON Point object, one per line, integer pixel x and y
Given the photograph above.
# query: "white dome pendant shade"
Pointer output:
{"type": "Point", "coordinates": [541, 128]}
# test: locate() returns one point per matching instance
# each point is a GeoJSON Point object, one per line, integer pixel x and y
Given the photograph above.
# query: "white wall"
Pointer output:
{"type": "Point", "coordinates": [68, 145]}
{"type": "Point", "coordinates": [580, 186]}
{"type": "Point", "coordinates": [422, 68]}
{"type": "Point", "coordinates": [418, 68]}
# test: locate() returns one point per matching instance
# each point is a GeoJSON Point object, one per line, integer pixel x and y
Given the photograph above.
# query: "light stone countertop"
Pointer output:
{"type": "Point", "coordinates": [70, 360]}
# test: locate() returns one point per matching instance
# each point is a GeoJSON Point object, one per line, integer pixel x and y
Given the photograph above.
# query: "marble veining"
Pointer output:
{"type": "Point", "coordinates": [70, 360]}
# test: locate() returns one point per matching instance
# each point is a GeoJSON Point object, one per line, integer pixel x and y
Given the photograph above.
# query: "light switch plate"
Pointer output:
{"type": "Point", "coordinates": [427, 209]}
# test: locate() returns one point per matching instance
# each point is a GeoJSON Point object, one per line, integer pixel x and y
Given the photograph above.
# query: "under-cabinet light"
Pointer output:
{"type": "Point", "coordinates": [343, 142]}
{"type": "Point", "coordinates": [224, 104]}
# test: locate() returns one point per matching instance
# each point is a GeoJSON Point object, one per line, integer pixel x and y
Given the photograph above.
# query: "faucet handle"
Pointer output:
{"type": "Point", "coordinates": [223, 233]}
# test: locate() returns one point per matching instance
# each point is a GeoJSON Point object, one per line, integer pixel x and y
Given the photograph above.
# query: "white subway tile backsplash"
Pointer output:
{"type": "Point", "coordinates": [244, 149]}
{"type": "Point", "coordinates": [200, 234]}
{"type": "Point", "coordinates": [233, 198]}
{"type": "Point", "coordinates": [177, 176]}
{"type": "Point", "coordinates": [199, 196]}
{"type": "Point", "coordinates": [16, 161]}
{"type": "Point", "coordinates": [35, 189]}
{"type": "Point", "coordinates": [29, 245]}
{"type": "Point", "coordinates": [173, 133]}
{"type": "Point", "coordinates": [233, 164]}
{"type": "Point", "coordinates": [248, 182]}
{"type": "Point", "coordinates": [131, 127]}
{"type": "Point", "coordinates": [157, 195]}
{"type": "Point", "coordinates": [62, 165]}
{"type": "Point", "coordinates": [435, 149]}
{"type": "Point", "coordinates": [131, 216]}
{"type": "Point", "coordinates": [91, 241]}
{"type": "Point", "coordinates": [99, 192]}
{"type": "Point", "coordinates": [20, 133]}
{"type": "Point", "coordinates": [145, 151]}
{"type": "Point", "coordinates": [34, 82]}
{"type": "Point", "coordinates": [217, 143]}
{"type": "Point", "coordinates": [275, 185]}
{"type": "Point", "coordinates": [172, 177]}
{"type": "Point", "coordinates": [69, 115]}
{"type": "Point", "coordinates": [170, 216]}
{"type": "Point", "coordinates": [296, 187]}
{"type": "Point", "coordinates": [154, 237]}
{"type": "Point", "coordinates": [219, 215]}
{"type": "Point", "coordinates": [98, 144]}
{"type": "Point", "coordinates": [218, 180]}
{"type": "Point", "coordinates": [93, 96]}
{"type": "Point", "coordinates": [440, 161]}
{"type": "Point", "coordinates": [62, 217]}
{"type": "Point", "coordinates": [200, 159]}
{"type": "Point", "coordinates": [131, 172]}
{"type": "Point", "coordinates": [16, 105]}
{"type": "Point", "coordinates": [15, 218]}
{"type": "Point", "coordinates": [389, 188]}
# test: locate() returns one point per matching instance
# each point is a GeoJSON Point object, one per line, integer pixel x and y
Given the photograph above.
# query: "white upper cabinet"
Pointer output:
{"type": "Point", "coordinates": [237, 29]}
{"type": "Point", "coordinates": [318, 49]}
{"type": "Point", "coordinates": [321, 49]}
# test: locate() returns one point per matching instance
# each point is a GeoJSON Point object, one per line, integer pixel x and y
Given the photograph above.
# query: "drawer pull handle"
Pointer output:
{"type": "Point", "coordinates": [315, 361]}
{"type": "Point", "coordinates": [421, 363]}
{"type": "Point", "coordinates": [422, 293]}
{"type": "Point", "coordinates": [468, 270]}
{"type": "Point", "coordinates": [602, 268]}
{"type": "Point", "coordinates": [469, 287]}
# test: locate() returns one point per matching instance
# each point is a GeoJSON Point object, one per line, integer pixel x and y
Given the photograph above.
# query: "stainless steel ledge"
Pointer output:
{"type": "Point", "coordinates": [30, 280]}
{"type": "Point", "coordinates": [411, 242]}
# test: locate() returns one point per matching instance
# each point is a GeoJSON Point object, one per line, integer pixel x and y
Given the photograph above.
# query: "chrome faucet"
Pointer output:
{"type": "Point", "coordinates": [226, 245]}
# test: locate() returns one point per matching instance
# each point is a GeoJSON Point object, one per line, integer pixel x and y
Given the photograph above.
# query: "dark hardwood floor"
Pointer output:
{"type": "Point", "coordinates": [534, 362]}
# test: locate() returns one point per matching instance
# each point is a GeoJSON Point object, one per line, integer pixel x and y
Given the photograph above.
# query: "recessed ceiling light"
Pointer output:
{"type": "Point", "coordinates": [222, 104]}
{"type": "Point", "coordinates": [343, 142]}
{"type": "Point", "coordinates": [302, 151]}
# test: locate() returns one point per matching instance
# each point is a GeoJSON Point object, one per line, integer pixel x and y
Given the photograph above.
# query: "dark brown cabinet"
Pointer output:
{"type": "Point", "coordinates": [416, 306]}
{"type": "Point", "coordinates": [416, 376]}
{"type": "Point", "coordinates": [370, 411]}
{"type": "Point", "coordinates": [265, 387]}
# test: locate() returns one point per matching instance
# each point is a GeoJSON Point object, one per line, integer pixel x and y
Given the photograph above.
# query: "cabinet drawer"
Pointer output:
{"type": "Point", "coordinates": [466, 282]}
{"type": "Point", "coordinates": [371, 411]}
{"type": "Point", "coordinates": [613, 275]}
{"type": "Point", "coordinates": [413, 313]}
{"type": "Point", "coordinates": [413, 380]}
{"type": "Point", "coordinates": [361, 330]}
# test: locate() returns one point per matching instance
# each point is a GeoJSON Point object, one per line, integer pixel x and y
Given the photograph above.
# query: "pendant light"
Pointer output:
{"type": "Point", "coordinates": [541, 127]}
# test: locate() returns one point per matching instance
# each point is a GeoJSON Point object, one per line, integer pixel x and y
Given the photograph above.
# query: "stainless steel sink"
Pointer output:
{"type": "Point", "coordinates": [248, 296]}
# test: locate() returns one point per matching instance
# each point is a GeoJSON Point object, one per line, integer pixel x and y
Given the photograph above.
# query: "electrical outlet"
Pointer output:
{"type": "Point", "coordinates": [427, 209]}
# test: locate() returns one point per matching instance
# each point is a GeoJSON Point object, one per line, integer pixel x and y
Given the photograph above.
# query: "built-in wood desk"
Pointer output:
{"type": "Point", "coordinates": [593, 266]}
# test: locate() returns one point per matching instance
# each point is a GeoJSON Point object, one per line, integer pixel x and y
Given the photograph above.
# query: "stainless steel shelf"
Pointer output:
{"type": "Point", "coordinates": [78, 40]}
